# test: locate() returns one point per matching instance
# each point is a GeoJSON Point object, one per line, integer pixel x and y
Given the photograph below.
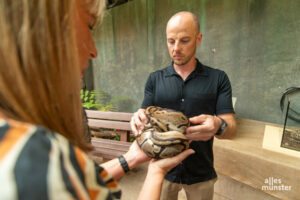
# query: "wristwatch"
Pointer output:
{"type": "Point", "coordinates": [222, 127]}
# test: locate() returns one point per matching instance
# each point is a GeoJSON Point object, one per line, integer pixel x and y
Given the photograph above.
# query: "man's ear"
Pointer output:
{"type": "Point", "coordinates": [199, 39]}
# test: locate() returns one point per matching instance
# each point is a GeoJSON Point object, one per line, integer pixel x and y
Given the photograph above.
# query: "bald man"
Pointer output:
{"type": "Point", "coordinates": [200, 92]}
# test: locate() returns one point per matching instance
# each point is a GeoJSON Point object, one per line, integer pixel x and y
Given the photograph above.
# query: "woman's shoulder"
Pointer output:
{"type": "Point", "coordinates": [33, 158]}
{"type": "Point", "coordinates": [18, 137]}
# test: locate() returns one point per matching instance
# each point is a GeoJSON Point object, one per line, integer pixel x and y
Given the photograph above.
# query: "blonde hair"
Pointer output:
{"type": "Point", "coordinates": [39, 72]}
{"type": "Point", "coordinates": [95, 8]}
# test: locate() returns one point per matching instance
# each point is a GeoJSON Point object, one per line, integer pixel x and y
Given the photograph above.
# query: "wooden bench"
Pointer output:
{"type": "Point", "coordinates": [106, 148]}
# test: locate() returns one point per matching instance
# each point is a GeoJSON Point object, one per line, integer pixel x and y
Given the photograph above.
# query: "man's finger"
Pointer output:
{"type": "Point", "coordinates": [198, 119]}
{"type": "Point", "coordinates": [133, 127]}
{"type": "Point", "coordinates": [143, 117]}
{"type": "Point", "coordinates": [199, 128]}
{"type": "Point", "coordinates": [139, 124]}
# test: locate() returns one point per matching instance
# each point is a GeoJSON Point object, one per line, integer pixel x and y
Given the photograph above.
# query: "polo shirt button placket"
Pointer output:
{"type": "Point", "coordinates": [182, 97]}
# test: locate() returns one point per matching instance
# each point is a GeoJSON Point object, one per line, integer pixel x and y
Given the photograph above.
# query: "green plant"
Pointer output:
{"type": "Point", "coordinates": [99, 100]}
{"type": "Point", "coordinates": [117, 138]}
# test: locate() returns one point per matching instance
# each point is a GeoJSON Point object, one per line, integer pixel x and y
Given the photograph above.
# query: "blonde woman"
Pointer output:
{"type": "Point", "coordinates": [44, 46]}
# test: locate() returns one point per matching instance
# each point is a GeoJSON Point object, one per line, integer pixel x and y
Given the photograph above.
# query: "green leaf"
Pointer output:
{"type": "Point", "coordinates": [99, 100]}
{"type": "Point", "coordinates": [117, 138]}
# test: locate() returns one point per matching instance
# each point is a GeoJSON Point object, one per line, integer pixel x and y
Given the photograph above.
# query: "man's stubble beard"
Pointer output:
{"type": "Point", "coordinates": [183, 62]}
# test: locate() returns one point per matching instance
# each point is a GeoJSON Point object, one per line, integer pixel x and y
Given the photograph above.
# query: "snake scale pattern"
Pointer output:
{"type": "Point", "coordinates": [163, 135]}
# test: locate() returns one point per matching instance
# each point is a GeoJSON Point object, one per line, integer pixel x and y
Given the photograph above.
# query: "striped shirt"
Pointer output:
{"type": "Point", "coordinates": [36, 163]}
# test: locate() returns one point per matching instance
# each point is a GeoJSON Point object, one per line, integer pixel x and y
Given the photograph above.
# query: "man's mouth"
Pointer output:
{"type": "Point", "coordinates": [177, 56]}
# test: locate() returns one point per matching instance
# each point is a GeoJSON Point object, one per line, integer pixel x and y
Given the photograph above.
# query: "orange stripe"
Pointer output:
{"type": "Point", "coordinates": [12, 136]}
{"type": "Point", "coordinates": [112, 184]}
{"type": "Point", "coordinates": [80, 158]}
{"type": "Point", "coordinates": [93, 193]}
{"type": "Point", "coordinates": [103, 174]}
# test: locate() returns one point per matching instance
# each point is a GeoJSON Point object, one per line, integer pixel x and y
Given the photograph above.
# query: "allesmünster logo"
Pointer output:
{"type": "Point", "coordinates": [272, 183]}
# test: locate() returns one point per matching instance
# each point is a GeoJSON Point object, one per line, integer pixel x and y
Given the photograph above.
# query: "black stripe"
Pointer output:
{"type": "Point", "coordinates": [109, 197]}
{"type": "Point", "coordinates": [181, 125]}
{"type": "Point", "coordinates": [117, 195]}
{"type": "Point", "coordinates": [76, 165]}
{"type": "Point", "coordinates": [143, 142]}
{"type": "Point", "coordinates": [110, 180]}
{"type": "Point", "coordinates": [102, 183]}
{"type": "Point", "coordinates": [98, 177]}
{"type": "Point", "coordinates": [66, 177]}
{"type": "Point", "coordinates": [171, 139]}
{"type": "Point", "coordinates": [32, 166]}
{"type": "Point", "coordinates": [3, 130]}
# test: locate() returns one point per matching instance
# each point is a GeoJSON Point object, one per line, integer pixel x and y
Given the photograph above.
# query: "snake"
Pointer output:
{"type": "Point", "coordinates": [163, 135]}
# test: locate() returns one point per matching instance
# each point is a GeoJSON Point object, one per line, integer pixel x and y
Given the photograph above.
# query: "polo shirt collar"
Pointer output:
{"type": "Point", "coordinates": [199, 70]}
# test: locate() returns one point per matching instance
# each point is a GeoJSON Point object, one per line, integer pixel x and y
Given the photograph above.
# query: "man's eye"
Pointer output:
{"type": "Point", "coordinates": [171, 42]}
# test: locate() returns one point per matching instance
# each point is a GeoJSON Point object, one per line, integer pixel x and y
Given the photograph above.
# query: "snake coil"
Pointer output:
{"type": "Point", "coordinates": [163, 135]}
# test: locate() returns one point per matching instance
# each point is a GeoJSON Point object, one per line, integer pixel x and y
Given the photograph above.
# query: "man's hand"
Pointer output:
{"type": "Point", "coordinates": [137, 121]}
{"type": "Point", "coordinates": [205, 128]}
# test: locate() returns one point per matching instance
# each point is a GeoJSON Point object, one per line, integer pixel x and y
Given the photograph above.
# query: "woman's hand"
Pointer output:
{"type": "Point", "coordinates": [157, 170]}
{"type": "Point", "coordinates": [162, 166]}
{"type": "Point", "coordinates": [135, 156]}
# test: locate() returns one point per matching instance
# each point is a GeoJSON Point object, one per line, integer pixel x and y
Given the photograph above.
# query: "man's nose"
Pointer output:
{"type": "Point", "coordinates": [177, 46]}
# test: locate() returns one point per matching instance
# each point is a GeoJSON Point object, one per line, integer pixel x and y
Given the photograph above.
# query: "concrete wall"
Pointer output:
{"type": "Point", "coordinates": [257, 43]}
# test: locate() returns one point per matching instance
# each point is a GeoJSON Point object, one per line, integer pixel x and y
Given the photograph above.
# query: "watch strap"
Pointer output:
{"type": "Point", "coordinates": [124, 164]}
{"type": "Point", "coordinates": [222, 127]}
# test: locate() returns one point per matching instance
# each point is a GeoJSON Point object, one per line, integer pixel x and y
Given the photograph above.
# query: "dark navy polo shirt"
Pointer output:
{"type": "Point", "coordinates": [205, 91]}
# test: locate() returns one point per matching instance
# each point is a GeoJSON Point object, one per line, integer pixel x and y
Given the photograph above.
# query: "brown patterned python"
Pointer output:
{"type": "Point", "coordinates": [163, 135]}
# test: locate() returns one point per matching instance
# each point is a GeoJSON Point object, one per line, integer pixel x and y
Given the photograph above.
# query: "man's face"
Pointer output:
{"type": "Point", "coordinates": [182, 39]}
